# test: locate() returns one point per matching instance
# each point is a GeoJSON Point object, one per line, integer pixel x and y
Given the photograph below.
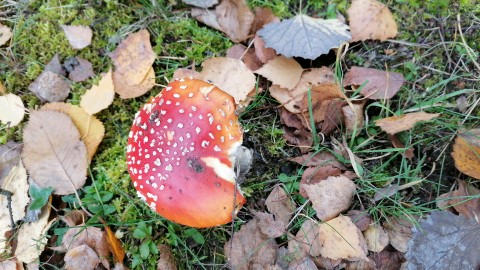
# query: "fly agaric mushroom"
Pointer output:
{"type": "Point", "coordinates": [180, 154]}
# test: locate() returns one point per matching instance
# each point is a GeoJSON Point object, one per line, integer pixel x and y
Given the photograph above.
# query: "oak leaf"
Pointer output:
{"type": "Point", "coordinates": [100, 96]}
{"type": "Point", "coordinates": [12, 110]}
{"type": "Point", "coordinates": [395, 124]}
{"type": "Point", "coordinates": [379, 84]}
{"type": "Point", "coordinates": [79, 36]}
{"type": "Point", "coordinates": [466, 152]}
{"type": "Point", "coordinates": [53, 153]}
{"type": "Point", "coordinates": [370, 19]}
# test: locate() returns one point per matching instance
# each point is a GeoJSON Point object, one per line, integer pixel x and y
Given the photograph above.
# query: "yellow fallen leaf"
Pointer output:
{"type": "Point", "coordinates": [115, 245]}
{"type": "Point", "coordinates": [376, 237]}
{"type": "Point", "coordinates": [283, 71]}
{"type": "Point", "coordinates": [370, 19]}
{"type": "Point", "coordinates": [99, 96]}
{"type": "Point", "coordinates": [466, 152]}
{"type": "Point", "coordinates": [90, 128]}
{"type": "Point", "coordinates": [395, 124]}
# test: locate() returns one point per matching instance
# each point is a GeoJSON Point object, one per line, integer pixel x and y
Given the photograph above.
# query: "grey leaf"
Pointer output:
{"type": "Point", "coordinates": [445, 241]}
{"type": "Point", "coordinates": [305, 36]}
{"type": "Point", "coordinates": [201, 3]}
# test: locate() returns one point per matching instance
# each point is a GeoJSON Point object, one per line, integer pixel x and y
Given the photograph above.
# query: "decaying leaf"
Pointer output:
{"type": "Point", "coordinates": [399, 231]}
{"type": "Point", "coordinates": [9, 158]}
{"type": "Point", "coordinates": [5, 34]}
{"type": "Point", "coordinates": [409, 153]}
{"type": "Point", "coordinates": [444, 241]}
{"type": "Point", "coordinates": [322, 158]}
{"type": "Point", "coordinates": [32, 237]}
{"type": "Point", "coordinates": [263, 53]}
{"type": "Point", "coordinates": [11, 110]}
{"type": "Point", "coordinates": [304, 36]}
{"type": "Point", "coordinates": [314, 175]}
{"type": "Point", "coordinates": [466, 152]}
{"type": "Point", "coordinates": [279, 204]}
{"type": "Point", "coordinates": [270, 226]}
{"type": "Point", "coordinates": [464, 200]}
{"type": "Point", "coordinates": [379, 84]}
{"type": "Point", "coordinates": [370, 19]}
{"type": "Point", "coordinates": [230, 75]}
{"type": "Point", "coordinates": [3, 90]}
{"type": "Point", "coordinates": [201, 3]}
{"type": "Point", "coordinates": [249, 246]}
{"type": "Point", "coordinates": [79, 36]}
{"type": "Point", "coordinates": [81, 70]}
{"type": "Point", "coordinates": [90, 128]}
{"type": "Point", "coordinates": [235, 19]}
{"type": "Point", "coordinates": [322, 95]}
{"type": "Point", "coordinates": [81, 257]}
{"type": "Point", "coordinates": [55, 66]}
{"type": "Point", "coordinates": [133, 75]}
{"type": "Point", "coordinates": [53, 153]}
{"type": "Point", "coordinates": [115, 245]}
{"type": "Point", "coordinates": [100, 96]}
{"type": "Point", "coordinates": [388, 260]}
{"type": "Point", "coordinates": [376, 238]}
{"type": "Point", "coordinates": [51, 87]}
{"type": "Point", "coordinates": [395, 124]}
{"type": "Point", "coordinates": [331, 196]}
{"type": "Point", "coordinates": [263, 16]}
{"type": "Point", "coordinates": [361, 219]}
{"type": "Point", "coordinates": [167, 259]}
{"type": "Point", "coordinates": [354, 117]}
{"type": "Point", "coordinates": [282, 71]}
{"type": "Point", "coordinates": [247, 56]}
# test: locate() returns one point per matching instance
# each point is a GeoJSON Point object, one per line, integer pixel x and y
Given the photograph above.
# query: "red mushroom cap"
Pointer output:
{"type": "Point", "coordinates": [179, 154]}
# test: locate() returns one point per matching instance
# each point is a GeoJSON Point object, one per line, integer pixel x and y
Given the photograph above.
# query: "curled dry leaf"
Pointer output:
{"type": "Point", "coordinates": [279, 204]}
{"type": "Point", "coordinates": [133, 75]}
{"type": "Point", "coordinates": [235, 19]}
{"type": "Point", "coordinates": [381, 84]}
{"type": "Point", "coordinates": [81, 70]}
{"type": "Point", "coordinates": [249, 246]}
{"type": "Point", "coordinates": [370, 19]}
{"type": "Point", "coordinates": [331, 196]}
{"type": "Point", "coordinates": [395, 124]}
{"type": "Point", "coordinates": [247, 56]}
{"type": "Point", "coordinates": [90, 128]}
{"type": "Point", "coordinates": [53, 153]}
{"type": "Point", "coordinates": [51, 87]}
{"type": "Point", "coordinates": [11, 110]}
{"type": "Point", "coordinates": [167, 259]}
{"type": "Point", "coordinates": [466, 152]}
{"type": "Point", "coordinates": [376, 238]}
{"type": "Point", "coordinates": [282, 71]}
{"type": "Point", "coordinates": [230, 75]}
{"type": "Point", "coordinates": [304, 36]}
{"type": "Point", "coordinates": [100, 96]}
{"type": "Point", "coordinates": [79, 36]}
{"type": "Point", "coordinates": [5, 34]}
{"type": "Point", "coordinates": [32, 237]}
{"type": "Point", "coordinates": [81, 257]}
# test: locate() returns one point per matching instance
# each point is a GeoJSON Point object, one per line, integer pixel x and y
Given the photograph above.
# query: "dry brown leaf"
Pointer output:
{"type": "Point", "coordinates": [249, 246]}
{"type": "Point", "coordinates": [3, 90]}
{"type": "Point", "coordinates": [354, 117]}
{"type": "Point", "coordinates": [299, 137]}
{"type": "Point", "coordinates": [331, 196]}
{"type": "Point", "coordinates": [263, 53]}
{"type": "Point", "coordinates": [279, 204]}
{"type": "Point", "coordinates": [51, 87]}
{"type": "Point", "coordinates": [361, 265]}
{"type": "Point", "coordinates": [314, 175]}
{"type": "Point", "coordinates": [341, 239]}
{"type": "Point", "coordinates": [115, 245]}
{"type": "Point", "coordinates": [398, 144]}
{"type": "Point", "coordinates": [388, 260]}
{"type": "Point", "coordinates": [15, 182]}
{"type": "Point", "coordinates": [32, 237]}
{"type": "Point", "coordinates": [74, 218]}
{"type": "Point", "coordinates": [370, 19]}
{"type": "Point", "coordinates": [5, 34]}
{"type": "Point", "coordinates": [270, 226]}
{"type": "Point", "coordinates": [263, 16]}
{"type": "Point", "coordinates": [206, 16]}
{"type": "Point", "coordinates": [90, 128]}
{"type": "Point", "coordinates": [53, 153]}
{"type": "Point", "coordinates": [81, 71]}
{"type": "Point", "coordinates": [167, 259]}
{"type": "Point", "coordinates": [55, 66]}
{"type": "Point", "coordinates": [81, 257]}
{"type": "Point", "coordinates": [9, 158]}
{"type": "Point", "coordinates": [282, 71]}
{"type": "Point", "coordinates": [306, 240]}
{"type": "Point", "coordinates": [79, 36]}
{"type": "Point", "coordinates": [395, 124]}
{"type": "Point", "coordinates": [322, 158]}
{"type": "Point", "coordinates": [10, 264]}
{"type": "Point", "coordinates": [240, 52]}
{"type": "Point", "coordinates": [381, 84]}
{"type": "Point", "coordinates": [399, 232]}
{"type": "Point", "coordinates": [376, 238]}
{"type": "Point", "coordinates": [133, 75]}
{"type": "Point", "coordinates": [235, 19]}
{"type": "Point", "coordinates": [322, 96]}
{"type": "Point", "coordinates": [230, 75]}
{"type": "Point", "coordinates": [361, 219]}
{"type": "Point", "coordinates": [100, 96]}
{"type": "Point", "coordinates": [186, 73]}
{"type": "Point", "coordinates": [11, 110]}
{"type": "Point", "coordinates": [462, 200]}
{"type": "Point", "coordinates": [466, 152]}
{"type": "Point", "coordinates": [334, 117]}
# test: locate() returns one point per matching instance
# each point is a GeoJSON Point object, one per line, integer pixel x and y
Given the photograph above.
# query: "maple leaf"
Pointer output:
{"type": "Point", "coordinates": [370, 19]}
{"type": "Point", "coordinates": [304, 36]}
{"type": "Point", "coordinates": [444, 241]}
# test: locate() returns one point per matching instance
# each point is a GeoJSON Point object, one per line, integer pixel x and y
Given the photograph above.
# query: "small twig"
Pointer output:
{"type": "Point", "coordinates": [9, 195]}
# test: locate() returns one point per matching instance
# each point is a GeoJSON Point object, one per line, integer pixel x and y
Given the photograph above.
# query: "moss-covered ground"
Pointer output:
{"type": "Point", "coordinates": [429, 51]}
